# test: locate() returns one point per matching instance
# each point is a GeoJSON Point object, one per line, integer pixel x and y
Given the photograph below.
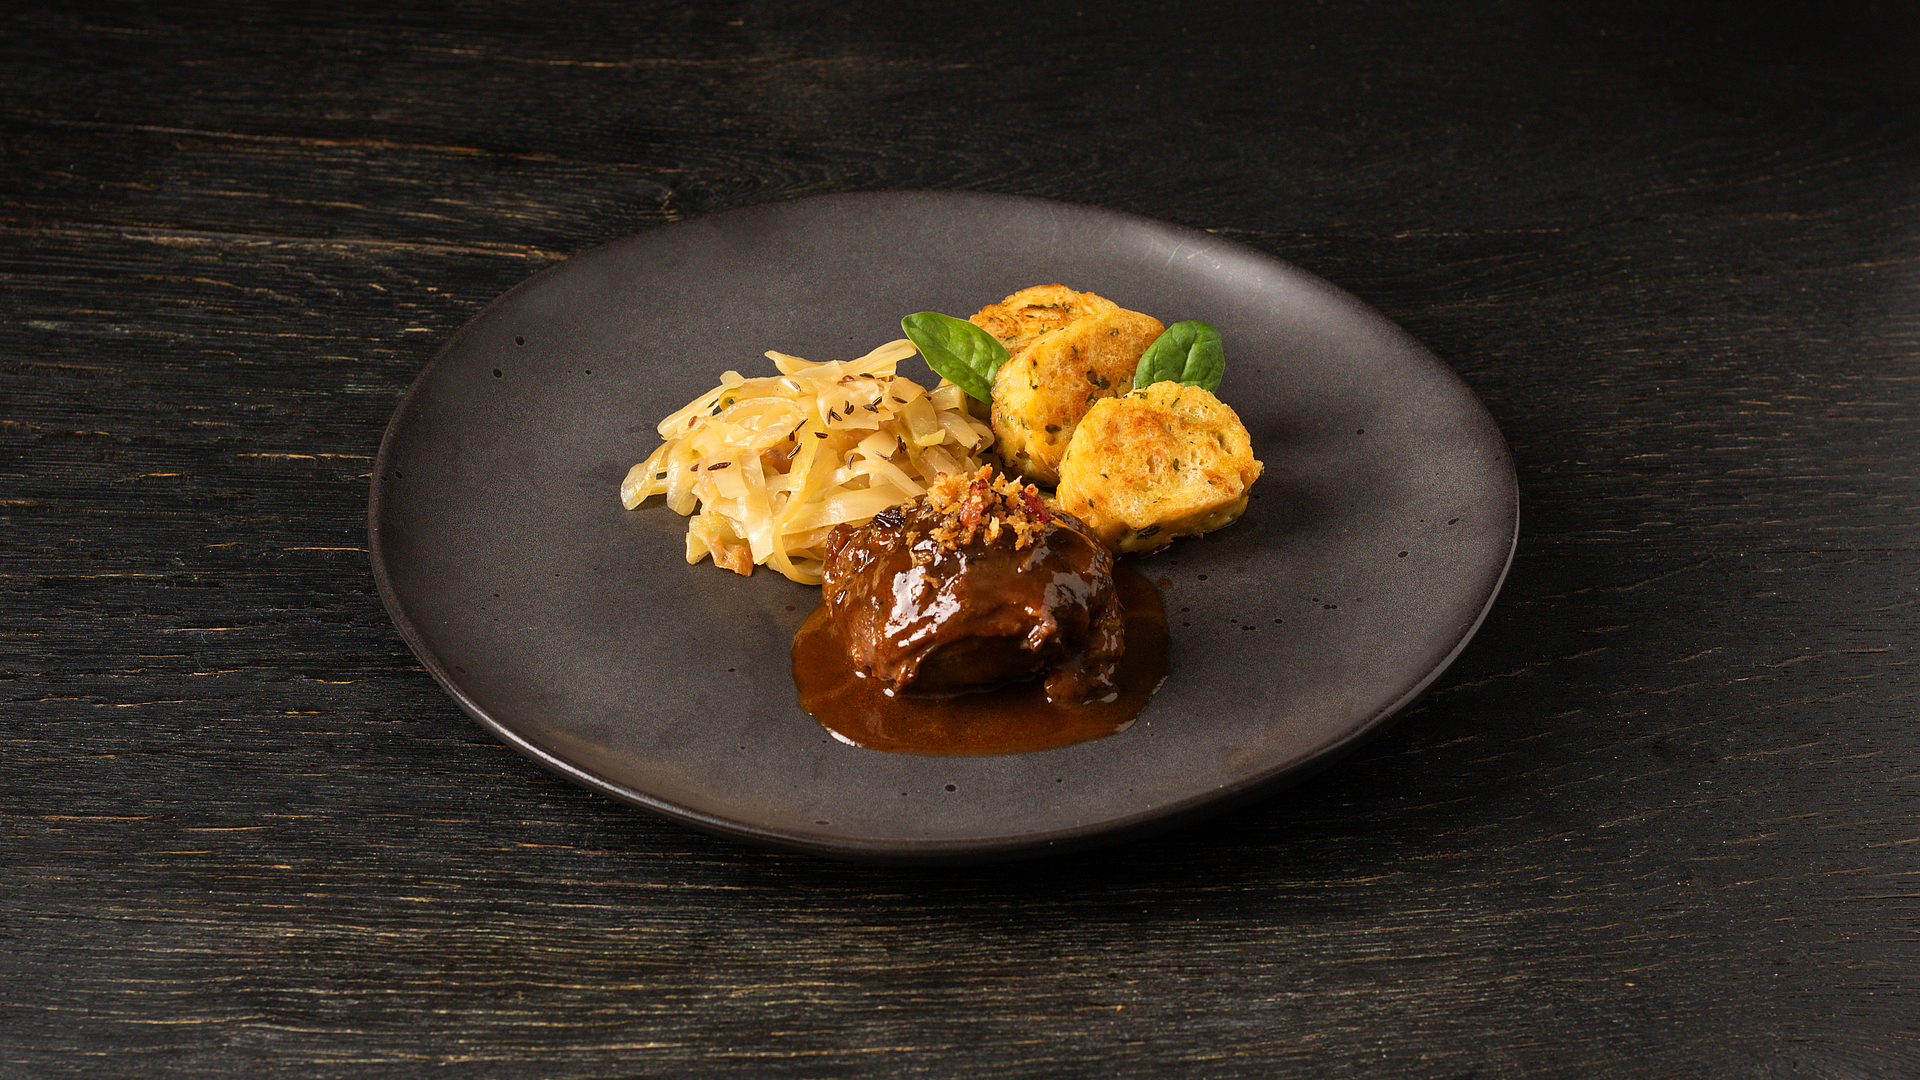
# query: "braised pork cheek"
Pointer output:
{"type": "Point", "coordinates": [976, 585]}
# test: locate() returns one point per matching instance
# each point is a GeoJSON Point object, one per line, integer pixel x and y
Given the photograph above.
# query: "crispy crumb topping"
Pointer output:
{"type": "Point", "coordinates": [982, 507]}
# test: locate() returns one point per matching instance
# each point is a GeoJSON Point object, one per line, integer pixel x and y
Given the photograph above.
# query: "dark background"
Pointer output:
{"type": "Point", "coordinates": [1662, 818]}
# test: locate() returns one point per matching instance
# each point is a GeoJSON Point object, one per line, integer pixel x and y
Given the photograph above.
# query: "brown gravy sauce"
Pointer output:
{"type": "Point", "coordinates": [1010, 720]}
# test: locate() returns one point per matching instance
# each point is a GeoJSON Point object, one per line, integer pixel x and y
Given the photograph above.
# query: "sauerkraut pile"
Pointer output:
{"type": "Point", "coordinates": [766, 467]}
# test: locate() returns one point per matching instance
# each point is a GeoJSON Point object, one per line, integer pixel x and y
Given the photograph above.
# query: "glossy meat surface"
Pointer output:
{"type": "Point", "coordinates": [926, 615]}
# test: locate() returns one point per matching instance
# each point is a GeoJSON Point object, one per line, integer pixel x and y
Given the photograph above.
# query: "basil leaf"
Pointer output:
{"type": "Point", "coordinates": [1186, 352]}
{"type": "Point", "coordinates": [957, 351]}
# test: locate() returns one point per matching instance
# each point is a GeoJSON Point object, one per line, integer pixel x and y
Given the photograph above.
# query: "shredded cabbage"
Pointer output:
{"type": "Point", "coordinates": [766, 467]}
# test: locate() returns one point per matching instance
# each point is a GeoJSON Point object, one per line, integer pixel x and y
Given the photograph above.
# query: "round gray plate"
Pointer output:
{"type": "Point", "coordinates": [576, 632]}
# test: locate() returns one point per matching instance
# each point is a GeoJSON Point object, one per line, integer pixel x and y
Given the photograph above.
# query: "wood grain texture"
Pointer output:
{"type": "Point", "coordinates": [1662, 819]}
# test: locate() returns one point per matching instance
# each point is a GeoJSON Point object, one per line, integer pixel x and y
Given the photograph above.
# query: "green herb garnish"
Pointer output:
{"type": "Point", "coordinates": [957, 351]}
{"type": "Point", "coordinates": [1186, 352]}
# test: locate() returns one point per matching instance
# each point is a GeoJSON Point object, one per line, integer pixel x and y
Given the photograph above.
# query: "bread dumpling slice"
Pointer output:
{"type": "Point", "coordinates": [1164, 461]}
{"type": "Point", "coordinates": [1020, 319]}
{"type": "Point", "coordinates": [1067, 350]}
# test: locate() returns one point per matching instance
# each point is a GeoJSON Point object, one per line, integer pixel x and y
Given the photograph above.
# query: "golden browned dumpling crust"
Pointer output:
{"type": "Point", "coordinates": [1067, 350]}
{"type": "Point", "coordinates": [1021, 318]}
{"type": "Point", "coordinates": [1164, 461]}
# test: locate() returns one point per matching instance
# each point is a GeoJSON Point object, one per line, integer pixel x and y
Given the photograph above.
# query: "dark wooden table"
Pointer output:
{"type": "Point", "coordinates": [1662, 818]}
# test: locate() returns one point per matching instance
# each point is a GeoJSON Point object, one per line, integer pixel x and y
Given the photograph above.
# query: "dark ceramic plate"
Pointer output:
{"type": "Point", "coordinates": [575, 630]}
